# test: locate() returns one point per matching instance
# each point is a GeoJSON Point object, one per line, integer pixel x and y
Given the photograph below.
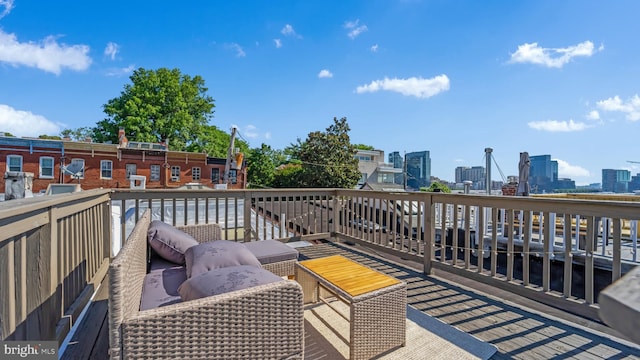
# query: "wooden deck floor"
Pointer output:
{"type": "Point", "coordinates": [519, 333]}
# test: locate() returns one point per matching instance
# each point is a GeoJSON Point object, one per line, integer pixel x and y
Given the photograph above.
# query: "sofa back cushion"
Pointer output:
{"type": "Point", "coordinates": [224, 280]}
{"type": "Point", "coordinates": [217, 254]}
{"type": "Point", "coordinates": [169, 242]}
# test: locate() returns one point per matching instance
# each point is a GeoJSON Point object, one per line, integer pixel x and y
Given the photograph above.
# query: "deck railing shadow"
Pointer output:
{"type": "Point", "coordinates": [484, 316]}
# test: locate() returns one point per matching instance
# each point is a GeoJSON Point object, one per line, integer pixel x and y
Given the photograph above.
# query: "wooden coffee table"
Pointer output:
{"type": "Point", "coordinates": [377, 302]}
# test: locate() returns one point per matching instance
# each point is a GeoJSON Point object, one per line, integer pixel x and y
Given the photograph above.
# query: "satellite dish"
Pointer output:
{"type": "Point", "coordinates": [75, 169]}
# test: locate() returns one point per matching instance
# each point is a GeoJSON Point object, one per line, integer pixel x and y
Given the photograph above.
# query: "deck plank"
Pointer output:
{"type": "Point", "coordinates": [519, 333]}
{"type": "Point", "coordinates": [88, 340]}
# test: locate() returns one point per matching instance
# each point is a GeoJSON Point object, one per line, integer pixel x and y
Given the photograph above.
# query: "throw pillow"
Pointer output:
{"type": "Point", "coordinates": [169, 242]}
{"type": "Point", "coordinates": [224, 280]}
{"type": "Point", "coordinates": [217, 254]}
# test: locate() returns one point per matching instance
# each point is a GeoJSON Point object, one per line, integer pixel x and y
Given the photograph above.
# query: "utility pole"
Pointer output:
{"type": "Point", "coordinates": [227, 165]}
{"type": "Point", "coordinates": [488, 155]}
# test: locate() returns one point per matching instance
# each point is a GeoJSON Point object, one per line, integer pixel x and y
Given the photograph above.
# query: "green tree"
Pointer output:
{"type": "Point", "coordinates": [215, 142]}
{"type": "Point", "coordinates": [363, 147]}
{"type": "Point", "coordinates": [158, 105]}
{"type": "Point", "coordinates": [328, 158]}
{"type": "Point", "coordinates": [437, 187]}
{"type": "Point", "coordinates": [79, 134]}
{"type": "Point", "coordinates": [288, 176]}
{"type": "Point", "coordinates": [260, 167]}
{"type": "Point", "coordinates": [49, 137]}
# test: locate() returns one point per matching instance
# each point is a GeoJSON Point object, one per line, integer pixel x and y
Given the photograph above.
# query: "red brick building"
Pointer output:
{"type": "Point", "coordinates": [110, 165]}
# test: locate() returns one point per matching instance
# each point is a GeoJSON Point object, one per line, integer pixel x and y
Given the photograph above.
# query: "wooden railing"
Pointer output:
{"type": "Point", "coordinates": [272, 214]}
{"type": "Point", "coordinates": [54, 251]}
{"type": "Point", "coordinates": [493, 239]}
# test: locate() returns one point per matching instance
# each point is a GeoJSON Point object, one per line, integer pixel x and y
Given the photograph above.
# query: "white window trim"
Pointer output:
{"type": "Point", "coordinates": [111, 169]}
{"type": "Point", "coordinates": [151, 178]}
{"type": "Point", "coordinates": [175, 178]}
{"type": "Point", "coordinates": [195, 170]}
{"type": "Point", "coordinates": [53, 168]}
{"type": "Point", "coordinates": [15, 156]}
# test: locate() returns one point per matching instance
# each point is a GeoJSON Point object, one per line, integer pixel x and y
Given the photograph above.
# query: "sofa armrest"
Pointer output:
{"type": "Point", "coordinates": [265, 321]}
{"type": "Point", "coordinates": [203, 232]}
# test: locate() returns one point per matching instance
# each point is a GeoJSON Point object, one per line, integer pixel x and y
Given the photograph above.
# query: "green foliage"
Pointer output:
{"type": "Point", "coordinates": [215, 142]}
{"type": "Point", "coordinates": [7, 134]}
{"type": "Point", "coordinates": [437, 187]}
{"type": "Point", "coordinates": [288, 176]}
{"type": "Point", "coordinates": [363, 147]}
{"type": "Point", "coordinates": [158, 105]}
{"type": "Point", "coordinates": [78, 134]}
{"type": "Point", "coordinates": [328, 158]}
{"type": "Point", "coordinates": [49, 137]}
{"type": "Point", "coordinates": [260, 167]}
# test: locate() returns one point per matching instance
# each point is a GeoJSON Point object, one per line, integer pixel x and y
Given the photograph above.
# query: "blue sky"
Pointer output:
{"type": "Point", "coordinates": [452, 77]}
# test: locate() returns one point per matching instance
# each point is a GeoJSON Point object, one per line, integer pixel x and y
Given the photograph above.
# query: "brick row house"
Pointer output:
{"type": "Point", "coordinates": [111, 165]}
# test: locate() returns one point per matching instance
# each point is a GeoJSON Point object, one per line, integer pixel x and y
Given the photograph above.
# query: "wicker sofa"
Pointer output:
{"type": "Point", "coordinates": [260, 322]}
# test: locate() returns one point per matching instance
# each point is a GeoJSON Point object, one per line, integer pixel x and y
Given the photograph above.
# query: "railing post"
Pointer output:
{"type": "Point", "coordinates": [334, 216]}
{"type": "Point", "coordinates": [429, 233]}
{"type": "Point", "coordinates": [247, 216]}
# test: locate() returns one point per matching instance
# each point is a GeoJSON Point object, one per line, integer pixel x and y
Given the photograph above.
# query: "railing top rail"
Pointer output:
{"type": "Point", "coordinates": [588, 207]}
{"type": "Point", "coordinates": [10, 208]}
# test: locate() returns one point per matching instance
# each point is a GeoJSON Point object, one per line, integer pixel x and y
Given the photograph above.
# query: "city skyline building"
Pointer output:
{"type": "Point", "coordinates": [418, 169]}
{"type": "Point", "coordinates": [543, 173]}
{"type": "Point", "coordinates": [396, 159]}
{"type": "Point", "coordinates": [615, 180]}
{"type": "Point", "coordinates": [476, 174]}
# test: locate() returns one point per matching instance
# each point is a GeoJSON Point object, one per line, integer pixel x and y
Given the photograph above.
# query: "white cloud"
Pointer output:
{"type": "Point", "coordinates": [324, 73]}
{"type": "Point", "coordinates": [558, 126]}
{"type": "Point", "coordinates": [278, 43]}
{"type": "Point", "coordinates": [631, 107]}
{"type": "Point", "coordinates": [374, 48]}
{"type": "Point", "coordinates": [355, 28]}
{"type": "Point", "coordinates": [7, 5]}
{"type": "Point", "coordinates": [238, 49]}
{"type": "Point", "coordinates": [111, 50]}
{"type": "Point", "coordinates": [593, 115]}
{"type": "Point", "coordinates": [288, 30]}
{"type": "Point", "coordinates": [250, 131]}
{"type": "Point", "coordinates": [25, 123]}
{"type": "Point", "coordinates": [116, 72]}
{"type": "Point", "coordinates": [418, 87]}
{"type": "Point", "coordinates": [566, 170]}
{"type": "Point", "coordinates": [47, 55]}
{"type": "Point", "coordinates": [552, 57]}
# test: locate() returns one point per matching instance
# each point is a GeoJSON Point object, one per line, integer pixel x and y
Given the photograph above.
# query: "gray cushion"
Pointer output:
{"type": "Point", "coordinates": [217, 254]}
{"type": "Point", "coordinates": [224, 280]}
{"type": "Point", "coordinates": [160, 287]}
{"type": "Point", "coordinates": [271, 251]}
{"type": "Point", "coordinates": [169, 242]}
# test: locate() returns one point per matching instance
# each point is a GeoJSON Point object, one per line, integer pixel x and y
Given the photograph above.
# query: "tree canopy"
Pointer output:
{"type": "Point", "coordinates": [261, 167]}
{"type": "Point", "coordinates": [159, 105]}
{"type": "Point", "coordinates": [79, 134]}
{"type": "Point", "coordinates": [363, 147]}
{"type": "Point", "coordinates": [437, 187]}
{"type": "Point", "coordinates": [328, 158]}
{"type": "Point", "coordinates": [215, 142]}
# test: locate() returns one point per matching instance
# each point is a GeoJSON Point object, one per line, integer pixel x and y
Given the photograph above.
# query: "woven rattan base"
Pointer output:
{"type": "Point", "coordinates": [377, 305]}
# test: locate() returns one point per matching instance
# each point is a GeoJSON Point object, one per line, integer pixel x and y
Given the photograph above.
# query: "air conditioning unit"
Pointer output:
{"type": "Point", "coordinates": [175, 178]}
